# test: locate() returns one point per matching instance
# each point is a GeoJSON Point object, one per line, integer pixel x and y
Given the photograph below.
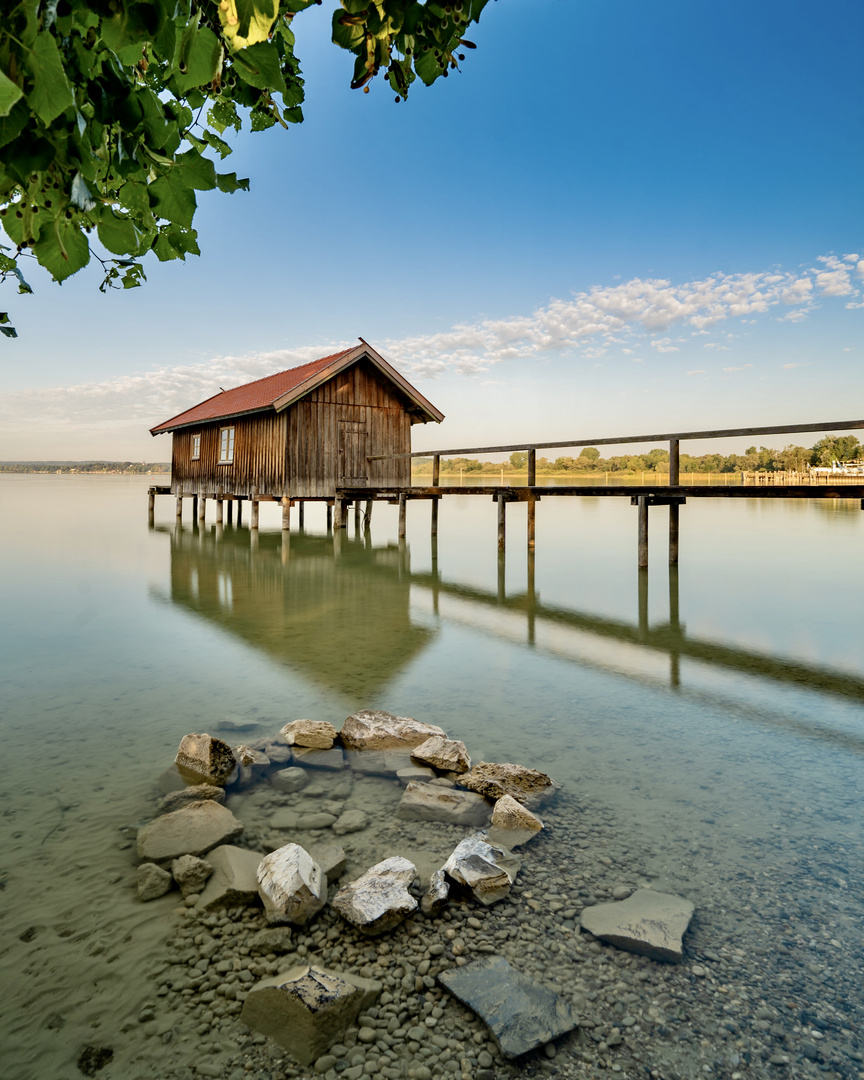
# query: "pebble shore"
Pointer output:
{"type": "Point", "coordinates": [740, 1005]}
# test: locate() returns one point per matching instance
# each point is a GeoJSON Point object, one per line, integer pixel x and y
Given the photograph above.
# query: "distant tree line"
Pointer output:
{"type": "Point", "coordinates": [85, 467]}
{"type": "Point", "coordinates": [763, 459]}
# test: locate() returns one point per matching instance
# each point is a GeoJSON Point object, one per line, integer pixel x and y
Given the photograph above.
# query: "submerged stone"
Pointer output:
{"type": "Point", "coordinates": [234, 880]}
{"type": "Point", "coordinates": [521, 1013]}
{"type": "Point", "coordinates": [433, 802]}
{"type": "Point", "coordinates": [649, 923]}
{"type": "Point", "coordinates": [193, 830]}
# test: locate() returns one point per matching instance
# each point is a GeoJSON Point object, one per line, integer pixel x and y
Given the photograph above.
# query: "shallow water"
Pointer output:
{"type": "Point", "coordinates": [717, 714]}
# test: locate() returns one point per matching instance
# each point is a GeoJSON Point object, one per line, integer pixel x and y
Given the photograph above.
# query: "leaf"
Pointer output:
{"type": "Point", "coordinates": [229, 183]}
{"type": "Point", "coordinates": [51, 94]}
{"type": "Point", "coordinates": [247, 22]}
{"type": "Point", "coordinates": [427, 66]}
{"type": "Point", "coordinates": [259, 67]}
{"type": "Point", "coordinates": [223, 114]}
{"type": "Point", "coordinates": [202, 61]}
{"type": "Point", "coordinates": [80, 195]}
{"type": "Point", "coordinates": [9, 94]}
{"type": "Point", "coordinates": [12, 125]}
{"type": "Point", "coordinates": [117, 233]}
{"type": "Point", "coordinates": [218, 144]}
{"type": "Point", "coordinates": [198, 172]}
{"type": "Point", "coordinates": [62, 248]}
{"type": "Point", "coordinates": [171, 199]}
{"type": "Point", "coordinates": [5, 329]}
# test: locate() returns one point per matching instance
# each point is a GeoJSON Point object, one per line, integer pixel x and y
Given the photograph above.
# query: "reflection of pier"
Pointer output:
{"type": "Point", "coordinates": [669, 638]}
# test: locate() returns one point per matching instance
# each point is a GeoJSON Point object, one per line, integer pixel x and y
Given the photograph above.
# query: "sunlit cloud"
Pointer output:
{"type": "Point", "coordinates": [629, 315]}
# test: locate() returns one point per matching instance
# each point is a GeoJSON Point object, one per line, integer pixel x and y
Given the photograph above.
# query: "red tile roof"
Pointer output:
{"type": "Point", "coordinates": [250, 397]}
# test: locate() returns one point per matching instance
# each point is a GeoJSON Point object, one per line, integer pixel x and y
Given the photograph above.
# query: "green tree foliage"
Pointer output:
{"type": "Point", "coordinates": [839, 448]}
{"type": "Point", "coordinates": [111, 112]}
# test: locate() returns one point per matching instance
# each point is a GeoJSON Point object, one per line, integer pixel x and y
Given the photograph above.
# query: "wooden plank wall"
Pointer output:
{"type": "Point", "coordinates": [333, 430]}
{"type": "Point", "coordinates": [259, 457]}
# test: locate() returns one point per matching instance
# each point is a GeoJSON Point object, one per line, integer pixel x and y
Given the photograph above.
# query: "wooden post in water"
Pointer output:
{"type": "Point", "coordinates": [194, 508]}
{"type": "Point", "coordinates": [643, 600]}
{"type": "Point", "coordinates": [230, 511]}
{"type": "Point", "coordinates": [436, 470]}
{"type": "Point", "coordinates": [675, 627]}
{"type": "Point", "coordinates": [253, 516]}
{"type": "Point", "coordinates": [239, 512]}
{"type": "Point", "coordinates": [219, 508]}
{"type": "Point", "coordinates": [674, 508]}
{"type": "Point", "coordinates": [301, 515]}
{"type": "Point", "coordinates": [253, 538]}
{"type": "Point", "coordinates": [286, 514]}
{"type": "Point", "coordinates": [531, 597]}
{"type": "Point", "coordinates": [434, 528]}
{"type": "Point", "coordinates": [151, 501]}
{"type": "Point", "coordinates": [403, 514]}
{"type": "Point", "coordinates": [179, 507]}
{"type": "Point", "coordinates": [202, 507]}
{"type": "Point", "coordinates": [367, 524]}
{"type": "Point", "coordinates": [329, 517]}
{"type": "Point", "coordinates": [502, 576]}
{"type": "Point", "coordinates": [343, 514]}
{"type": "Point", "coordinates": [357, 512]}
{"type": "Point", "coordinates": [642, 561]}
{"type": "Point", "coordinates": [532, 505]}
{"type": "Point", "coordinates": [502, 522]}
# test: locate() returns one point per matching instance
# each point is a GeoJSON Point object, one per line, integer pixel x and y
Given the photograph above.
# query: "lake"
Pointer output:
{"type": "Point", "coordinates": [706, 727]}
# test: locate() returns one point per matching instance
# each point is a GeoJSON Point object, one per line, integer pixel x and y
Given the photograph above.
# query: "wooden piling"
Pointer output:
{"type": "Point", "coordinates": [436, 470]}
{"type": "Point", "coordinates": [642, 561]}
{"type": "Point", "coordinates": [179, 507]}
{"type": "Point", "coordinates": [531, 597]}
{"type": "Point", "coordinates": [253, 516]}
{"type": "Point", "coordinates": [286, 514]}
{"type": "Point", "coordinates": [674, 510]}
{"type": "Point", "coordinates": [151, 502]}
{"type": "Point", "coordinates": [194, 507]}
{"type": "Point", "coordinates": [301, 514]}
{"type": "Point", "coordinates": [502, 522]}
{"type": "Point", "coordinates": [357, 512]}
{"type": "Point", "coordinates": [435, 502]}
{"type": "Point", "coordinates": [367, 523]}
{"type": "Point", "coordinates": [643, 600]}
{"type": "Point", "coordinates": [219, 510]}
{"type": "Point", "coordinates": [532, 468]}
{"type": "Point", "coordinates": [502, 576]}
{"type": "Point", "coordinates": [343, 513]}
{"type": "Point", "coordinates": [239, 511]}
{"type": "Point", "coordinates": [532, 521]}
{"type": "Point", "coordinates": [230, 510]}
{"type": "Point", "coordinates": [403, 514]}
{"type": "Point", "coordinates": [329, 517]}
{"type": "Point", "coordinates": [202, 507]}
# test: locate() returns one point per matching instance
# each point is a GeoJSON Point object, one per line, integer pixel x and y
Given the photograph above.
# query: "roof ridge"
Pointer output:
{"type": "Point", "coordinates": [282, 371]}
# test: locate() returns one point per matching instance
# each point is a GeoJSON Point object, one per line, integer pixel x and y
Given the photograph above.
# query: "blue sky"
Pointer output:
{"type": "Point", "coordinates": [617, 217]}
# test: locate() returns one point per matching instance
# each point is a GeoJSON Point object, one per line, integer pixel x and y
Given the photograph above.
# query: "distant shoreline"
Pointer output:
{"type": "Point", "coordinates": [113, 468]}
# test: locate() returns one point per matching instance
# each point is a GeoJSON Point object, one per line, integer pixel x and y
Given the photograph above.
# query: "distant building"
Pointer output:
{"type": "Point", "coordinates": [300, 433]}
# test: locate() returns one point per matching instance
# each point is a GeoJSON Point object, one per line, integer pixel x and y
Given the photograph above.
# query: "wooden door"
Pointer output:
{"type": "Point", "coordinates": [353, 463]}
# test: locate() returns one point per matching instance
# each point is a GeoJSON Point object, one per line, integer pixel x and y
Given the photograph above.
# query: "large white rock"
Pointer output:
{"type": "Point", "coordinates": [306, 1009]}
{"type": "Point", "coordinates": [204, 759]}
{"type": "Point", "coordinates": [379, 899]}
{"type": "Point", "coordinates": [436, 895]}
{"type": "Point", "coordinates": [488, 870]}
{"type": "Point", "coordinates": [235, 878]}
{"type": "Point", "coordinates": [292, 885]}
{"type": "Point", "coordinates": [448, 755]}
{"type": "Point", "coordinates": [649, 923]}
{"type": "Point", "coordinates": [193, 830]}
{"type": "Point", "coordinates": [319, 734]}
{"type": "Point", "coordinates": [429, 802]}
{"type": "Point", "coordinates": [373, 730]}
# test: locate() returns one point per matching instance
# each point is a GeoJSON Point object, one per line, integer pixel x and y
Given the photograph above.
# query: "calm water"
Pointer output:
{"type": "Point", "coordinates": [719, 713]}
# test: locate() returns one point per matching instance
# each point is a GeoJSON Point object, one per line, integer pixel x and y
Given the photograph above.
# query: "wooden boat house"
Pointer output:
{"type": "Point", "coordinates": [299, 434]}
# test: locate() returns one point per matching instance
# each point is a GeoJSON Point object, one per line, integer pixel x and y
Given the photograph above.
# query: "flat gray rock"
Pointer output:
{"type": "Point", "coordinates": [176, 800]}
{"type": "Point", "coordinates": [433, 802]}
{"type": "Point", "coordinates": [193, 830]}
{"type": "Point", "coordinates": [319, 759]}
{"type": "Point", "coordinates": [234, 880]}
{"type": "Point", "coordinates": [649, 923]}
{"type": "Point", "coordinates": [379, 762]}
{"type": "Point", "coordinates": [290, 780]}
{"type": "Point", "coordinates": [521, 1013]}
{"type": "Point", "coordinates": [153, 881]}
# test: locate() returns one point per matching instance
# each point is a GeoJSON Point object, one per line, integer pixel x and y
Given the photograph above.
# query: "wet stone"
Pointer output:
{"type": "Point", "coordinates": [521, 1013]}
{"type": "Point", "coordinates": [175, 800]}
{"type": "Point", "coordinates": [379, 899]}
{"type": "Point", "coordinates": [430, 802]}
{"type": "Point", "coordinates": [374, 730]}
{"type": "Point", "coordinates": [289, 780]}
{"type": "Point", "coordinates": [649, 923]}
{"type": "Point", "coordinates": [153, 881]}
{"type": "Point", "coordinates": [318, 734]}
{"type": "Point", "coordinates": [235, 878]}
{"type": "Point", "coordinates": [204, 759]}
{"type": "Point", "coordinates": [193, 830]}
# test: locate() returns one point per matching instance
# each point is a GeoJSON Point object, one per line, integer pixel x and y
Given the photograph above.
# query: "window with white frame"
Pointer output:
{"type": "Point", "coordinates": [196, 447]}
{"type": "Point", "coordinates": [226, 445]}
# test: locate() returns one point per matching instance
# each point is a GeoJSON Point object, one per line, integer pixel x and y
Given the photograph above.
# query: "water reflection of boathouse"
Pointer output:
{"type": "Point", "coordinates": [314, 606]}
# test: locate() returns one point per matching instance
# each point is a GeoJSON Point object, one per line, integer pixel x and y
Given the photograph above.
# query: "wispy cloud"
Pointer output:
{"type": "Point", "coordinates": [696, 371]}
{"type": "Point", "coordinates": [743, 367]}
{"type": "Point", "coordinates": [629, 314]}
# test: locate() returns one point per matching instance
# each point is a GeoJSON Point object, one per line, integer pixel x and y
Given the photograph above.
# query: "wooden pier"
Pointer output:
{"type": "Point", "coordinates": [672, 495]}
